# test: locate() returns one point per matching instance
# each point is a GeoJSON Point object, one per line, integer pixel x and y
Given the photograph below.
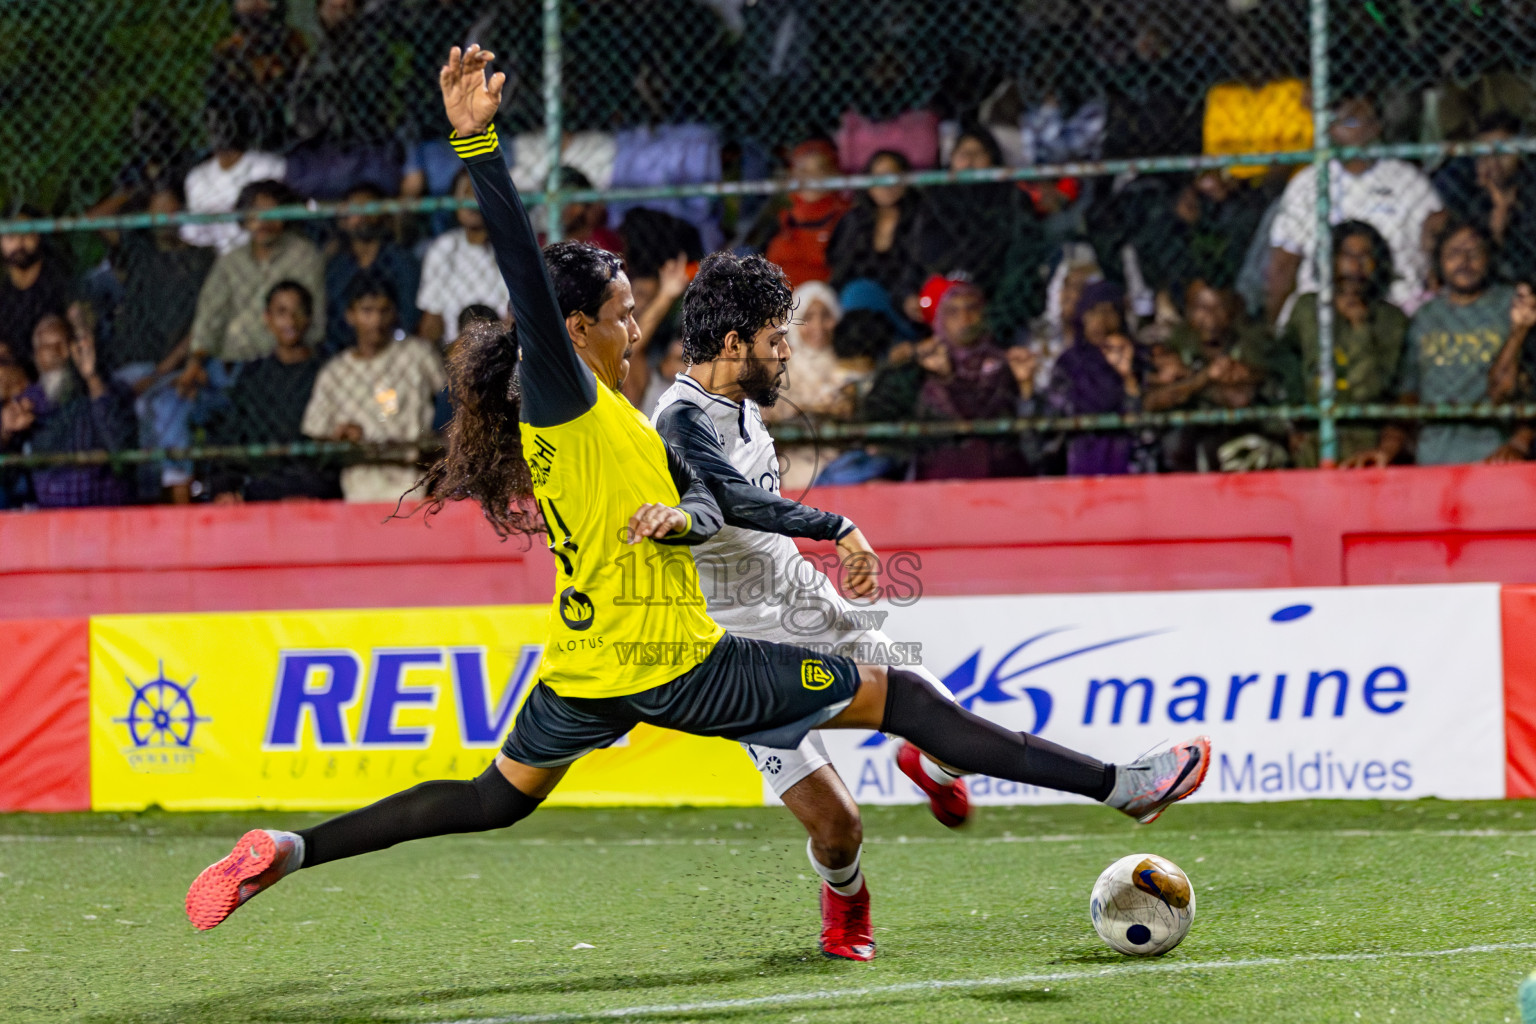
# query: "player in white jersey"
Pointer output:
{"type": "Point", "coordinates": [758, 585]}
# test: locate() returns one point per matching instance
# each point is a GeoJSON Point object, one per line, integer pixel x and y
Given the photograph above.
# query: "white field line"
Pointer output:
{"type": "Point", "coordinates": [968, 984]}
{"type": "Point", "coordinates": [943, 840]}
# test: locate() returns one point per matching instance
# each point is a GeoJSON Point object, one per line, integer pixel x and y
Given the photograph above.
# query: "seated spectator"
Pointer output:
{"type": "Point", "coordinates": [253, 66]}
{"type": "Point", "coordinates": [267, 405]}
{"type": "Point", "coordinates": [35, 285]}
{"type": "Point", "coordinates": [1100, 372]}
{"type": "Point", "coordinates": [986, 232]}
{"type": "Point", "coordinates": [1050, 333]}
{"type": "Point", "coordinates": [366, 244]}
{"type": "Point", "coordinates": [874, 240]}
{"type": "Point", "coordinates": [1497, 192]}
{"type": "Point", "coordinates": [1393, 196]}
{"type": "Point", "coordinates": [805, 229]}
{"type": "Point", "coordinates": [72, 408]}
{"type": "Point", "coordinates": [230, 325]}
{"type": "Point", "coordinates": [1214, 360]}
{"type": "Point", "coordinates": [671, 364]}
{"type": "Point", "coordinates": [1368, 334]}
{"type": "Point", "coordinates": [1512, 373]}
{"type": "Point", "coordinates": [809, 394]}
{"type": "Point", "coordinates": [1453, 342]}
{"type": "Point", "coordinates": [15, 425]}
{"type": "Point", "coordinates": [340, 107]}
{"type": "Point", "coordinates": [655, 299]}
{"type": "Point", "coordinates": [587, 222]}
{"type": "Point", "coordinates": [858, 341]}
{"type": "Point", "coordinates": [380, 390]}
{"type": "Point", "coordinates": [214, 186]}
{"type": "Point", "coordinates": [966, 377]}
{"type": "Point", "coordinates": [161, 278]}
{"type": "Point", "coordinates": [458, 270]}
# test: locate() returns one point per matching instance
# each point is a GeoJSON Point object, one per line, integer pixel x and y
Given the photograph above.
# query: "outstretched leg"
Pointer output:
{"type": "Point", "coordinates": [496, 799]}
{"type": "Point", "coordinates": [900, 703]}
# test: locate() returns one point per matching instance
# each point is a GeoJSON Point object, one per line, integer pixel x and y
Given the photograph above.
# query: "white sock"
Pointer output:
{"type": "Point", "coordinates": [937, 772]}
{"type": "Point", "coordinates": [295, 861]}
{"type": "Point", "coordinates": [844, 881]}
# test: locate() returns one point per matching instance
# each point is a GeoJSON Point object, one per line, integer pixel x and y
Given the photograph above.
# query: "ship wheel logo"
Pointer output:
{"type": "Point", "coordinates": [161, 712]}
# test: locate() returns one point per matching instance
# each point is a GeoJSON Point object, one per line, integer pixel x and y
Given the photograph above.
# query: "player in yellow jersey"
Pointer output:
{"type": "Point", "coordinates": [541, 439]}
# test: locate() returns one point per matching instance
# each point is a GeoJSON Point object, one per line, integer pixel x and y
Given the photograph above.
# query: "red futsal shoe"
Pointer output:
{"type": "Point", "coordinates": [257, 862]}
{"type": "Point", "coordinates": [950, 804]}
{"type": "Point", "coordinates": [846, 932]}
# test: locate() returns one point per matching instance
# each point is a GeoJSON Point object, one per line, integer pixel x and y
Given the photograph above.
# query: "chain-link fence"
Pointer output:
{"type": "Point", "coordinates": [1031, 237]}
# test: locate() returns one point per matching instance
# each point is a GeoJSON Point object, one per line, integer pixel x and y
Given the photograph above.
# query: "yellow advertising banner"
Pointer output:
{"type": "Point", "coordinates": [334, 709]}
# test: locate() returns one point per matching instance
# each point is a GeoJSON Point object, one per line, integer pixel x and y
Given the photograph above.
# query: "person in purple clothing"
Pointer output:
{"type": "Point", "coordinates": [1100, 372]}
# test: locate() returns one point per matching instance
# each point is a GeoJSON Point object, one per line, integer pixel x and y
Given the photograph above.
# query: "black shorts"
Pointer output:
{"type": "Point", "coordinates": [750, 690]}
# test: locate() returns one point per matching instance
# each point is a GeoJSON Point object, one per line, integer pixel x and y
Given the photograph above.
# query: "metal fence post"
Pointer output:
{"type": "Point", "coordinates": [1322, 252]}
{"type": "Point", "coordinates": [553, 135]}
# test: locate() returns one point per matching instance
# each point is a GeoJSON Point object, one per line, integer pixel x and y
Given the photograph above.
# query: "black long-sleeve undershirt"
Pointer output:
{"type": "Point", "coordinates": [687, 428]}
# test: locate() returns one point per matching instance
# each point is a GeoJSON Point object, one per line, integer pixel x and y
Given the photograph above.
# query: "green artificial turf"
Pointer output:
{"type": "Point", "coordinates": [711, 916]}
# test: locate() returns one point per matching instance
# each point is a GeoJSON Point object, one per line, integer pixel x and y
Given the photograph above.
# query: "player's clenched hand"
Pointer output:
{"type": "Point", "coordinates": [861, 567]}
{"type": "Point", "coordinates": [470, 100]}
{"type": "Point", "coordinates": [656, 522]}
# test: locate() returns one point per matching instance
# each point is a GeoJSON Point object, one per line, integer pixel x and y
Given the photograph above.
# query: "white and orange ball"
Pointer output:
{"type": "Point", "coordinates": [1142, 905]}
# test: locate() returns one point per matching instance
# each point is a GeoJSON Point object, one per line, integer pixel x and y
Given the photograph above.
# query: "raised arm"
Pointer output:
{"type": "Point", "coordinates": [557, 385]}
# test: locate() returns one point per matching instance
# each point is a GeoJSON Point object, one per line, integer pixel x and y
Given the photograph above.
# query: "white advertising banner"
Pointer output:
{"type": "Point", "coordinates": [1346, 692]}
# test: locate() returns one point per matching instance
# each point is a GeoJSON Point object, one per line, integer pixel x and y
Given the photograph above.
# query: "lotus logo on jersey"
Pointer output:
{"type": "Point", "coordinates": [814, 675]}
{"type": "Point", "coordinates": [161, 721]}
{"type": "Point", "coordinates": [576, 609]}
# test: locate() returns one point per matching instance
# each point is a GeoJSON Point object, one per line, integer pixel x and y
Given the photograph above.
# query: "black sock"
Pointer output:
{"type": "Point", "coordinates": [945, 731]}
{"type": "Point", "coordinates": [429, 809]}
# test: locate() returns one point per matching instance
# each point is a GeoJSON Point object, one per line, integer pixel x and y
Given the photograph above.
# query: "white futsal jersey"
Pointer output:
{"type": "Point", "coordinates": [755, 581]}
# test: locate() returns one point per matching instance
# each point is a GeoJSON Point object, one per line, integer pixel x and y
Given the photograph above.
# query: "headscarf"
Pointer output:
{"type": "Point", "coordinates": [807, 293]}
{"type": "Point", "coordinates": [1096, 293]}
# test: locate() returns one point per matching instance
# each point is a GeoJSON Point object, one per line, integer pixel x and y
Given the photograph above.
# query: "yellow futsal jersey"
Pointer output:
{"type": "Point", "coordinates": [625, 617]}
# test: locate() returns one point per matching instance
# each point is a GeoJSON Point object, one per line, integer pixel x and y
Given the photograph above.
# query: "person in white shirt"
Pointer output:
{"type": "Point", "coordinates": [214, 185]}
{"type": "Point", "coordinates": [458, 270]}
{"type": "Point", "coordinates": [379, 390]}
{"type": "Point", "coordinates": [1393, 196]}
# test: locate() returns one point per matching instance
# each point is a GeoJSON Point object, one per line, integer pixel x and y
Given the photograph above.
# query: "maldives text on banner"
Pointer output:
{"type": "Point", "coordinates": [1340, 692]}
{"type": "Point", "coordinates": [333, 709]}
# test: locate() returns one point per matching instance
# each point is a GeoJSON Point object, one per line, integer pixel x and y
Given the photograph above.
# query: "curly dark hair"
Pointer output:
{"type": "Point", "coordinates": [483, 445]}
{"type": "Point", "coordinates": [731, 293]}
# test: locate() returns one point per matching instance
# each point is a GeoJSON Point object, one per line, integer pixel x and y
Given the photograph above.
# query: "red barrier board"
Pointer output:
{"type": "Point", "coordinates": [1519, 615]}
{"type": "Point", "coordinates": [45, 722]}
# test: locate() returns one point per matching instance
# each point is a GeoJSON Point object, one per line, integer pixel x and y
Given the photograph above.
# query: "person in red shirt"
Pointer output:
{"type": "Point", "coordinates": [805, 229]}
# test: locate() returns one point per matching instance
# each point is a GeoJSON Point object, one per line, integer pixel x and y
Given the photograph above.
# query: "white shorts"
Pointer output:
{"type": "Point", "coordinates": [782, 769]}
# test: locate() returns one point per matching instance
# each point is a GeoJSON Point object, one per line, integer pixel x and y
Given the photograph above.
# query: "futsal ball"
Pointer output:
{"type": "Point", "coordinates": [1142, 905]}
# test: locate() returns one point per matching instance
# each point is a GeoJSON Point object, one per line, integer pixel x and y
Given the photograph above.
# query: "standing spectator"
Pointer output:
{"type": "Point", "coordinates": [1497, 192]}
{"type": "Point", "coordinates": [230, 324]}
{"type": "Point", "coordinates": [1050, 333]}
{"type": "Point", "coordinates": [340, 107]}
{"type": "Point", "coordinates": [805, 229]}
{"type": "Point", "coordinates": [266, 406]}
{"type": "Point", "coordinates": [1453, 342]}
{"type": "Point", "coordinates": [1368, 334]}
{"type": "Point", "coordinates": [986, 232]}
{"type": "Point", "coordinates": [35, 285]}
{"type": "Point", "coordinates": [380, 390]}
{"type": "Point", "coordinates": [75, 409]}
{"type": "Point", "coordinates": [161, 278]}
{"type": "Point", "coordinates": [967, 377]}
{"type": "Point", "coordinates": [874, 240]}
{"type": "Point", "coordinates": [1203, 233]}
{"type": "Point", "coordinates": [214, 186]}
{"type": "Point", "coordinates": [1219, 362]}
{"type": "Point", "coordinates": [1101, 372]}
{"type": "Point", "coordinates": [366, 244]}
{"type": "Point", "coordinates": [253, 66]}
{"type": "Point", "coordinates": [16, 419]}
{"type": "Point", "coordinates": [458, 270]}
{"type": "Point", "coordinates": [1392, 196]}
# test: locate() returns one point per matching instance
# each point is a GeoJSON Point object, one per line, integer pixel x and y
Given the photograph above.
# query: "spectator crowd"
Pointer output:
{"type": "Point", "coordinates": [1065, 297]}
